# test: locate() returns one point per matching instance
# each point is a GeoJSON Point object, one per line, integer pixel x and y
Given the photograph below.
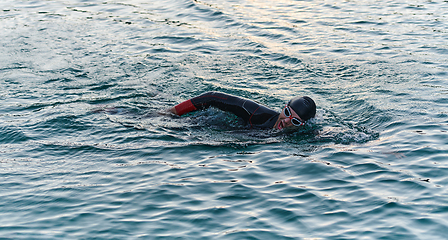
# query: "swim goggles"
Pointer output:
{"type": "Point", "coordinates": [295, 121]}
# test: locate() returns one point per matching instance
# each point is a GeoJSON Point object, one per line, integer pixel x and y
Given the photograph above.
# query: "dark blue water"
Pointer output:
{"type": "Point", "coordinates": [85, 154]}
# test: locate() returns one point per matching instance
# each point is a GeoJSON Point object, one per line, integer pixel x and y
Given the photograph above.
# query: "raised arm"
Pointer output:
{"type": "Point", "coordinates": [250, 111]}
{"type": "Point", "coordinates": [239, 106]}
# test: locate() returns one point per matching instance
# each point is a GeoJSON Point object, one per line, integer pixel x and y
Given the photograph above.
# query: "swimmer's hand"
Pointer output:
{"type": "Point", "coordinates": [169, 111]}
{"type": "Point", "coordinates": [173, 110]}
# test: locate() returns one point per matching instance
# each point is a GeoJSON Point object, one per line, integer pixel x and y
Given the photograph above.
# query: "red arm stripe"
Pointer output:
{"type": "Point", "coordinates": [185, 107]}
{"type": "Point", "coordinates": [250, 118]}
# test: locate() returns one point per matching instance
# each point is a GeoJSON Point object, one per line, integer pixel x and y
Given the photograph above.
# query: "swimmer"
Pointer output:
{"type": "Point", "coordinates": [293, 115]}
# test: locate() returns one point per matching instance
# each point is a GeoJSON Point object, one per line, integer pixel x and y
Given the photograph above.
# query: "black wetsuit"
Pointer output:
{"type": "Point", "coordinates": [254, 114]}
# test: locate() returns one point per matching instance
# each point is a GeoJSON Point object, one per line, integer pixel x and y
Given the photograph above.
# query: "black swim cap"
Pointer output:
{"type": "Point", "coordinates": [304, 107]}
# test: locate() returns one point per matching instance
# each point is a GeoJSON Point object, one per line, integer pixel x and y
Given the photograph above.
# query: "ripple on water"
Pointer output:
{"type": "Point", "coordinates": [12, 135]}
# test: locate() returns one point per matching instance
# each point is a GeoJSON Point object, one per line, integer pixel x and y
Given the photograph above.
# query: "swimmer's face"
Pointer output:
{"type": "Point", "coordinates": [288, 119]}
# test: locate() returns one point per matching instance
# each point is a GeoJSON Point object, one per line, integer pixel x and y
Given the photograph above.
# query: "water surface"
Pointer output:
{"type": "Point", "coordinates": [84, 152]}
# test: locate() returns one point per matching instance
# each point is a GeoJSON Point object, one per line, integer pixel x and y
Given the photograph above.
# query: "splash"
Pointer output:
{"type": "Point", "coordinates": [329, 128]}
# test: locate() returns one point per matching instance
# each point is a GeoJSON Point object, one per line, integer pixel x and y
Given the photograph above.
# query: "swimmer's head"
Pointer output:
{"type": "Point", "coordinates": [304, 107]}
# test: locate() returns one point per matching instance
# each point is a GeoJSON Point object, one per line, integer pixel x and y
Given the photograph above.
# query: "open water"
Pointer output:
{"type": "Point", "coordinates": [85, 154]}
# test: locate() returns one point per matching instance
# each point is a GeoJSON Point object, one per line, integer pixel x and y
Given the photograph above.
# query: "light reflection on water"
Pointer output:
{"type": "Point", "coordinates": [85, 152]}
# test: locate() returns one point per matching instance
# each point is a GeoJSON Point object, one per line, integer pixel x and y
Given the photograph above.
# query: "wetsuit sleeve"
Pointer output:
{"type": "Point", "coordinates": [250, 111]}
{"type": "Point", "coordinates": [185, 107]}
{"type": "Point", "coordinates": [225, 102]}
